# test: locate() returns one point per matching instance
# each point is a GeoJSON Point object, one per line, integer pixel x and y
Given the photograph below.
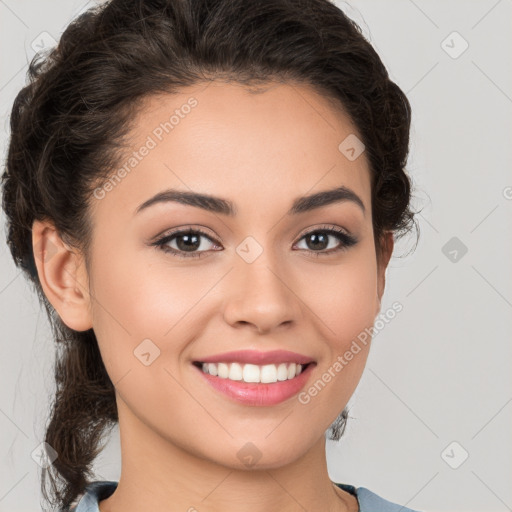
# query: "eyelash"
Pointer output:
{"type": "Point", "coordinates": [345, 239]}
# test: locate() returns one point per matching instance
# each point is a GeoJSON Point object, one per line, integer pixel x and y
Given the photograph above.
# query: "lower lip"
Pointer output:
{"type": "Point", "coordinates": [257, 393]}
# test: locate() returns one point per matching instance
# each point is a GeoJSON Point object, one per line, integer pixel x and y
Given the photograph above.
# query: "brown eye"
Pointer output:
{"type": "Point", "coordinates": [317, 241]}
{"type": "Point", "coordinates": [187, 243]}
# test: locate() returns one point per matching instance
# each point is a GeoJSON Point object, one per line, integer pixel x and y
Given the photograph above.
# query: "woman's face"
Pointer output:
{"type": "Point", "coordinates": [266, 277]}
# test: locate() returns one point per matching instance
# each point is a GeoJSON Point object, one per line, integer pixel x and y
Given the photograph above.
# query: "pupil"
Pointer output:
{"type": "Point", "coordinates": [315, 238]}
{"type": "Point", "coordinates": [188, 245]}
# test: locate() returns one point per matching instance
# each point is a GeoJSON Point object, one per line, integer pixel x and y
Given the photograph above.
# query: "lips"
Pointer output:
{"type": "Point", "coordinates": [257, 357]}
{"type": "Point", "coordinates": [258, 394]}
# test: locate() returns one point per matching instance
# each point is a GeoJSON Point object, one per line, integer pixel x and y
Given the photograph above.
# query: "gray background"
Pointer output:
{"type": "Point", "coordinates": [437, 385]}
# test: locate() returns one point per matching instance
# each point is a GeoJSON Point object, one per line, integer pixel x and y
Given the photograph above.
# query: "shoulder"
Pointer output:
{"type": "Point", "coordinates": [370, 501]}
{"type": "Point", "coordinates": [93, 494]}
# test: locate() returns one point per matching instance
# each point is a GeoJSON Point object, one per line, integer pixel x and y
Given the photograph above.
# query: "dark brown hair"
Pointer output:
{"type": "Point", "coordinates": [67, 134]}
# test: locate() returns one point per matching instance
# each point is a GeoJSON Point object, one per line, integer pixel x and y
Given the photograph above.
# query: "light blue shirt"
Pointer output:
{"type": "Point", "coordinates": [368, 500]}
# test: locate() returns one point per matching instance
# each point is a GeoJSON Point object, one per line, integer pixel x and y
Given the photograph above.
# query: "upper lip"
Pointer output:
{"type": "Point", "coordinates": [257, 357]}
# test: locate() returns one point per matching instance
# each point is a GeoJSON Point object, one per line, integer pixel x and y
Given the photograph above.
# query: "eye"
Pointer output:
{"type": "Point", "coordinates": [318, 239]}
{"type": "Point", "coordinates": [189, 244]}
{"type": "Point", "coordinates": [187, 240]}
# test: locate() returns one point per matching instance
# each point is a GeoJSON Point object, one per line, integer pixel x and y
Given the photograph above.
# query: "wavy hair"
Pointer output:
{"type": "Point", "coordinates": [68, 126]}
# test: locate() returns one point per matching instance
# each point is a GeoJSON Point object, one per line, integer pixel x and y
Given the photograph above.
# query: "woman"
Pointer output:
{"type": "Point", "coordinates": [206, 195]}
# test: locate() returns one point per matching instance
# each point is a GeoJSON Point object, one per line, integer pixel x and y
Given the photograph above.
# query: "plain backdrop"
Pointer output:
{"type": "Point", "coordinates": [430, 424]}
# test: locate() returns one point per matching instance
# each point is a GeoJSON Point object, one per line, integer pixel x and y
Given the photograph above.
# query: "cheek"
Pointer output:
{"type": "Point", "coordinates": [346, 308]}
{"type": "Point", "coordinates": [137, 324]}
{"type": "Point", "coordinates": [133, 295]}
{"type": "Point", "coordinates": [127, 305]}
{"type": "Point", "coordinates": [343, 296]}
{"type": "Point", "coordinates": [137, 298]}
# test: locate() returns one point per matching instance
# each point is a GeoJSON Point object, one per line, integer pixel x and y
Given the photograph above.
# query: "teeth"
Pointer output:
{"type": "Point", "coordinates": [251, 373]}
{"type": "Point", "coordinates": [235, 372]}
{"type": "Point", "coordinates": [222, 370]}
{"type": "Point", "coordinates": [265, 374]}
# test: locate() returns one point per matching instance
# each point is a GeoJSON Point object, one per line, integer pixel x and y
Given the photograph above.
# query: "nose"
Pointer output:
{"type": "Point", "coordinates": [262, 295]}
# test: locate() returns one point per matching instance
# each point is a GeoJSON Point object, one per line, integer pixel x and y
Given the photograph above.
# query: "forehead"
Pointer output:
{"type": "Point", "coordinates": [281, 141]}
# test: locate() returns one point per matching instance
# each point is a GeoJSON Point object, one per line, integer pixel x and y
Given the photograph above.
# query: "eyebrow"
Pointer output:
{"type": "Point", "coordinates": [226, 207]}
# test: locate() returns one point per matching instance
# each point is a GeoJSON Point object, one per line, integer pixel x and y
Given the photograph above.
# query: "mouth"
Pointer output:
{"type": "Point", "coordinates": [253, 373]}
{"type": "Point", "coordinates": [249, 384]}
{"type": "Point", "coordinates": [254, 377]}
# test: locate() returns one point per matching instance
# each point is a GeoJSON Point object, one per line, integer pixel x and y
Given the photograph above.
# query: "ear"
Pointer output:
{"type": "Point", "coordinates": [62, 275]}
{"type": "Point", "coordinates": [387, 244]}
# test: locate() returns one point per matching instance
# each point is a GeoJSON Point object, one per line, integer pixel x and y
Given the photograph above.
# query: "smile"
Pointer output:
{"type": "Point", "coordinates": [255, 385]}
{"type": "Point", "coordinates": [252, 373]}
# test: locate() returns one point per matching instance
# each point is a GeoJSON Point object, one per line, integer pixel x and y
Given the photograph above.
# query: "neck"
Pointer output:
{"type": "Point", "coordinates": [160, 476]}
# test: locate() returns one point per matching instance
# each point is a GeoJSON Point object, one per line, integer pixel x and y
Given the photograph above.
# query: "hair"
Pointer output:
{"type": "Point", "coordinates": [68, 128]}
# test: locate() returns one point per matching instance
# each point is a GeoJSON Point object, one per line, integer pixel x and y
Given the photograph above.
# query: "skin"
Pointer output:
{"type": "Point", "coordinates": [179, 436]}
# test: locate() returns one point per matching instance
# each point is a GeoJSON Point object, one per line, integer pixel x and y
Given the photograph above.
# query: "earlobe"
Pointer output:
{"type": "Point", "coordinates": [62, 275]}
